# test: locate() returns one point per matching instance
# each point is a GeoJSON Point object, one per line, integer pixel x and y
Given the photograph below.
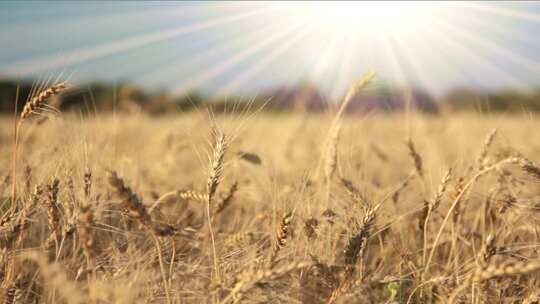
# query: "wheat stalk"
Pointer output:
{"type": "Point", "coordinates": [465, 188]}
{"type": "Point", "coordinates": [494, 271]}
{"type": "Point", "coordinates": [246, 282]}
{"type": "Point", "coordinates": [214, 178]}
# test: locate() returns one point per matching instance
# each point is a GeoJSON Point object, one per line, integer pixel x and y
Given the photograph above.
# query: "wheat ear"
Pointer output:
{"type": "Point", "coordinates": [36, 104]}
{"type": "Point", "coordinates": [214, 178]}
{"type": "Point", "coordinates": [281, 236]}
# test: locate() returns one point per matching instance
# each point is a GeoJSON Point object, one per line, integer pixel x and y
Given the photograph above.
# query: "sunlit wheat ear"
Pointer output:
{"type": "Point", "coordinates": [442, 189]}
{"type": "Point", "coordinates": [175, 196]}
{"type": "Point", "coordinates": [331, 153]}
{"type": "Point", "coordinates": [417, 159]}
{"type": "Point", "coordinates": [193, 195]}
{"type": "Point", "coordinates": [39, 102]}
{"type": "Point", "coordinates": [333, 131]}
{"type": "Point", "coordinates": [282, 234]}
{"type": "Point", "coordinates": [219, 147]}
{"type": "Point", "coordinates": [481, 160]}
{"type": "Point", "coordinates": [352, 92]}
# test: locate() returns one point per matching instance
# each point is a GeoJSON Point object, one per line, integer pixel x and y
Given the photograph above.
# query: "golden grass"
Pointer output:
{"type": "Point", "coordinates": [101, 219]}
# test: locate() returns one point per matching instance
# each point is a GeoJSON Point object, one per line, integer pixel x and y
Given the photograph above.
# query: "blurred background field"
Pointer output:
{"type": "Point", "coordinates": [101, 97]}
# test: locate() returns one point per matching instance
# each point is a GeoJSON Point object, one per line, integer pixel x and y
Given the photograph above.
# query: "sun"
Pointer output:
{"type": "Point", "coordinates": [356, 17]}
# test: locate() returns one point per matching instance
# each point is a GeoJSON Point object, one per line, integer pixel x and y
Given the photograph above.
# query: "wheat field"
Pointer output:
{"type": "Point", "coordinates": [258, 207]}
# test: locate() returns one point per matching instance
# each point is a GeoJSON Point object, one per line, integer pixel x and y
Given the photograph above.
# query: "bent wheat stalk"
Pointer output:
{"type": "Point", "coordinates": [494, 271]}
{"type": "Point", "coordinates": [456, 202]}
{"type": "Point", "coordinates": [39, 101]}
{"type": "Point", "coordinates": [35, 105]}
{"type": "Point", "coordinates": [332, 131]}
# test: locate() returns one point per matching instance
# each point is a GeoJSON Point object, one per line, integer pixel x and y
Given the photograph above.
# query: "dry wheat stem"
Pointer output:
{"type": "Point", "coordinates": [248, 281]}
{"type": "Point", "coordinates": [457, 200]}
{"type": "Point", "coordinates": [493, 271]}
{"type": "Point", "coordinates": [432, 207]}
{"type": "Point", "coordinates": [214, 178]}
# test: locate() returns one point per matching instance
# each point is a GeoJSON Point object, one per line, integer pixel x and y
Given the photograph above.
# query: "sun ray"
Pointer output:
{"type": "Point", "coordinates": [419, 69]}
{"type": "Point", "coordinates": [232, 86]}
{"type": "Point", "coordinates": [464, 36]}
{"type": "Point", "coordinates": [389, 52]}
{"type": "Point", "coordinates": [341, 81]}
{"type": "Point", "coordinates": [497, 10]}
{"type": "Point", "coordinates": [172, 45]}
{"type": "Point", "coordinates": [158, 73]}
{"type": "Point", "coordinates": [475, 23]}
{"type": "Point", "coordinates": [202, 78]}
{"type": "Point", "coordinates": [31, 66]}
{"type": "Point", "coordinates": [324, 60]}
{"type": "Point", "coordinates": [466, 53]}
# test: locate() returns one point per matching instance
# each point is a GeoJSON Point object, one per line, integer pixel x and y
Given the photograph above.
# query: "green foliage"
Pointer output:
{"type": "Point", "coordinates": [393, 288]}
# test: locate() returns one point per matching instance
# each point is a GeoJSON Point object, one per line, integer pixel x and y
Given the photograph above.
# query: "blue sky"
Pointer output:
{"type": "Point", "coordinates": [231, 47]}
